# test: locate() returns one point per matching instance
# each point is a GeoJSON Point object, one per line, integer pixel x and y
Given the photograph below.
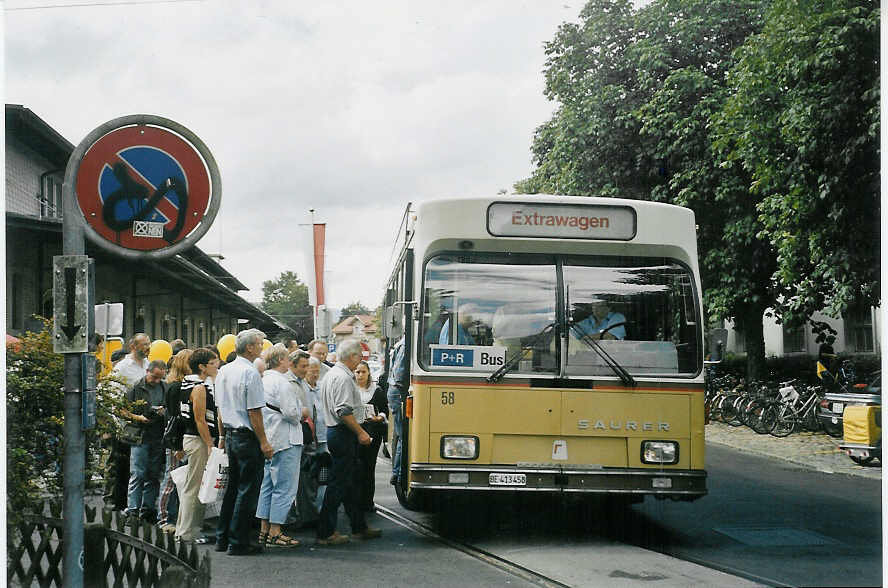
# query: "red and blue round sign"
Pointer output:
{"type": "Point", "coordinates": [146, 188]}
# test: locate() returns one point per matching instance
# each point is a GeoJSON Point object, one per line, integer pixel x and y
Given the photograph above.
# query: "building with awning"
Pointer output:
{"type": "Point", "coordinates": [188, 296]}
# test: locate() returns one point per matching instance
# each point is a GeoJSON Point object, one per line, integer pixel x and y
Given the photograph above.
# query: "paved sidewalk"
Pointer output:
{"type": "Point", "coordinates": [815, 451]}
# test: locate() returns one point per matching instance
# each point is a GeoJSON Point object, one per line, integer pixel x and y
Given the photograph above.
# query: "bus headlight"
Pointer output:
{"type": "Point", "coordinates": [459, 447]}
{"type": "Point", "coordinates": [659, 452]}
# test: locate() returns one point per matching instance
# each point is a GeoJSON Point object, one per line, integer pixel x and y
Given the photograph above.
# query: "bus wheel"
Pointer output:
{"type": "Point", "coordinates": [411, 499]}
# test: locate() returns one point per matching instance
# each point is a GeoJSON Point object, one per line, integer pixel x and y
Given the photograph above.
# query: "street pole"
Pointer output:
{"type": "Point", "coordinates": [73, 243]}
{"type": "Point", "coordinates": [314, 322]}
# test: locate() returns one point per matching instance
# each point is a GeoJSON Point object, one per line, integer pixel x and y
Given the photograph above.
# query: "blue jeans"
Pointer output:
{"type": "Point", "coordinates": [394, 400]}
{"type": "Point", "coordinates": [245, 463]}
{"type": "Point", "coordinates": [342, 488]}
{"type": "Point", "coordinates": [280, 485]}
{"type": "Point", "coordinates": [146, 468]}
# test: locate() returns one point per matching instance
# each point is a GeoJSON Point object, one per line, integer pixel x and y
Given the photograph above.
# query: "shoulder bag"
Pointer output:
{"type": "Point", "coordinates": [131, 434]}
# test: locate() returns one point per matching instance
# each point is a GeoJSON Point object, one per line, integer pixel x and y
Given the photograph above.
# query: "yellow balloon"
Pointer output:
{"type": "Point", "coordinates": [265, 344]}
{"type": "Point", "coordinates": [226, 345]}
{"type": "Point", "coordinates": [161, 350]}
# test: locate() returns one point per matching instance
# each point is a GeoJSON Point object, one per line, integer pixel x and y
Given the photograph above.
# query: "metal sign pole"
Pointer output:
{"type": "Point", "coordinates": [73, 243]}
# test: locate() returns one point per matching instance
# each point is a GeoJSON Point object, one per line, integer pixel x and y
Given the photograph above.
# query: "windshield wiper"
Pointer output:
{"type": "Point", "coordinates": [510, 365]}
{"type": "Point", "coordinates": [625, 376]}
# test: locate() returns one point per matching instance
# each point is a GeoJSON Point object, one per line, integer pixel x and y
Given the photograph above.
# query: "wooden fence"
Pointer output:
{"type": "Point", "coordinates": [144, 557]}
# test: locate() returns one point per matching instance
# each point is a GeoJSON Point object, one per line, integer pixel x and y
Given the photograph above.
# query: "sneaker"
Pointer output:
{"type": "Point", "coordinates": [334, 539]}
{"type": "Point", "coordinates": [369, 533]}
{"type": "Point", "coordinates": [168, 528]}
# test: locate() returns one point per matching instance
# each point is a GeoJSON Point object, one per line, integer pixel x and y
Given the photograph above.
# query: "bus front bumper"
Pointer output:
{"type": "Point", "coordinates": [682, 484]}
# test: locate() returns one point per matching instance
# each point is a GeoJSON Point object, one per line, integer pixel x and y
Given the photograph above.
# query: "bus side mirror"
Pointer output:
{"type": "Point", "coordinates": [392, 322]}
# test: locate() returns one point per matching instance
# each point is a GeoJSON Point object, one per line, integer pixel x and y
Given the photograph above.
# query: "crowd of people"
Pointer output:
{"type": "Point", "coordinates": [301, 434]}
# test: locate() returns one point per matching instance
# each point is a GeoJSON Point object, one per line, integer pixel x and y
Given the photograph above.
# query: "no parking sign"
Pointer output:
{"type": "Point", "coordinates": [145, 187]}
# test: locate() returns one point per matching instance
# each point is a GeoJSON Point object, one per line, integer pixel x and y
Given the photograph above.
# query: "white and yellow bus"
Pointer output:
{"type": "Point", "coordinates": [555, 345]}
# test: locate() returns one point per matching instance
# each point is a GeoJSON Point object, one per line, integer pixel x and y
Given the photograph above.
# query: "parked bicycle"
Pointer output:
{"type": "Point", "coordinates": [796, 409]}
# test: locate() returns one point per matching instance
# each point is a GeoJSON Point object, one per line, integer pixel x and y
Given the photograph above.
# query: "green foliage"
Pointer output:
{"type": "Point", "coordinates": [353, 309]}
{"type": "Point", "coordinates": [636, 92]}
{"type": "Point", "coordinates": [35, 424]}
{"type": "Point", "coordinates": [803, 121]}
{"type": "Point", "coordinates": [761, 117]}
{"type": "Point", "coordinates": [286, 299]}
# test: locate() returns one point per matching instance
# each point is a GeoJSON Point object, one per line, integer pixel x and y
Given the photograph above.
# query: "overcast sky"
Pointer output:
{"type": "Point", "coordinates": [352, 108]}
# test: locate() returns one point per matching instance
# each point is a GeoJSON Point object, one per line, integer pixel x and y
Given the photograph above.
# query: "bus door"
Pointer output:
{"type": "Point", "coordinates": [398, 321]}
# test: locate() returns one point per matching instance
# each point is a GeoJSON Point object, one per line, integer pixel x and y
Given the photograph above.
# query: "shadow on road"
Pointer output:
{"type": "Point", "coordinates": [535, 517]}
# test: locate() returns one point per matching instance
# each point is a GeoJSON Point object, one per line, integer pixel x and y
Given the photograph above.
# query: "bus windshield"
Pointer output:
{"type": "Point", "coordinates": [495, 302]}
{"type": "Point", "coordinates": [641, 311]}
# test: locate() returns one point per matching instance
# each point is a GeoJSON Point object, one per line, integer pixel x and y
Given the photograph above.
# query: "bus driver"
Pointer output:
{"type": "Point", "coordinates": [601, 323]}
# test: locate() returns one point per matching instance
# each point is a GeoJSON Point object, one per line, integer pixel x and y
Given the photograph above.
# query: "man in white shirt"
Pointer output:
{"type": "Point", "coordinates": [132, 368]}
{"type": "Point", "coordinates": [240, 397]}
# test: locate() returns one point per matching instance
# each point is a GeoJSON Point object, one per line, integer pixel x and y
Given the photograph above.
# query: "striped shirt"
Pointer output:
{"type": "Point", "coordinates": [186, 405]}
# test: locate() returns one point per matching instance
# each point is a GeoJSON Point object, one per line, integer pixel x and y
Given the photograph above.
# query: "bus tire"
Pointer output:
{"type": "Point", "coordinates": [411, 499]}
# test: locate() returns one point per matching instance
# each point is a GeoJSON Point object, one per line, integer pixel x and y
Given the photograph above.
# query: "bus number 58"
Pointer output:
{"type": "Point", "coordinates": [446, 398]}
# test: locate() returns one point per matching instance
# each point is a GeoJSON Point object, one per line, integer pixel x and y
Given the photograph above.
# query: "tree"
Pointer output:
{"type": "Point", "coordinates": [802, 121]}
{"type": "Point", "coordinates": [286, 299]}
{"type": "Point", "coordinates": [353, 309]}
{"type": "Point", "coordinates": [636, 91]}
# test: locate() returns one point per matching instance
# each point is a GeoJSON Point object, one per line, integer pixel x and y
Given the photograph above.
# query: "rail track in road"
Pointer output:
{"type": "Point", "coordinates": [470, 550]}
{"type": "Point", "coordinates": [539, 578]}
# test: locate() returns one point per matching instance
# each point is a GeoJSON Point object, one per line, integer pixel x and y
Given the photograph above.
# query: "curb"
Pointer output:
{"type": "Point", "coordinates": [825, 457]}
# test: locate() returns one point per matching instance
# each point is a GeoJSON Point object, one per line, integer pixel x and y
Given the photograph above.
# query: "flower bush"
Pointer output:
{"type": "Point", "coordinates": [35, 425]}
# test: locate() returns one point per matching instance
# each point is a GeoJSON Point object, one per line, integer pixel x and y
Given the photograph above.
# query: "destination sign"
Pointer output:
{"type": "Point", "coordinates": [562, 221]}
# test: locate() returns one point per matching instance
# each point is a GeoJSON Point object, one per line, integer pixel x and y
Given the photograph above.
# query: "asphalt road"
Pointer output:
{"type": "Point", "coordinates": [765, 520]}
{"type": "Point", "coordinates": [774, 520]}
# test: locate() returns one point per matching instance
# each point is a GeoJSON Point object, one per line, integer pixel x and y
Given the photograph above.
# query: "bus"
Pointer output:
{"type": "Point", "coordinates": [555, 345]}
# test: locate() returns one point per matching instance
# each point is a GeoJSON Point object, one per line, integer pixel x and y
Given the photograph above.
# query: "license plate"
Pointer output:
{"type": "Point", "coordinates": [838, 407]}
{"type": "Point", "coordinates": [507, 480]}
{"type": "Point", "coordinates": [859, 452]}
{"type": "Point", "coordinates": [662, 483]}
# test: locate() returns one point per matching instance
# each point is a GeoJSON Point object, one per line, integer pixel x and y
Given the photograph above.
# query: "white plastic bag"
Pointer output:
{"type": "Point", "coordinates": [215, 477]}
{"type": "Point", "coordinates": [178, 476]}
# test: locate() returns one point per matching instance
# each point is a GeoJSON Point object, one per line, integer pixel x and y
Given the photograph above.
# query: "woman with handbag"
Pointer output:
{"type": "Point", "coordinates": [375, 409]}
{"type": "Point", "coordinates": [201, 434]}
{"type": "Point", "coordinates": [282, 418]}
{"type": "Point", "coordinates": [168, 505]}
